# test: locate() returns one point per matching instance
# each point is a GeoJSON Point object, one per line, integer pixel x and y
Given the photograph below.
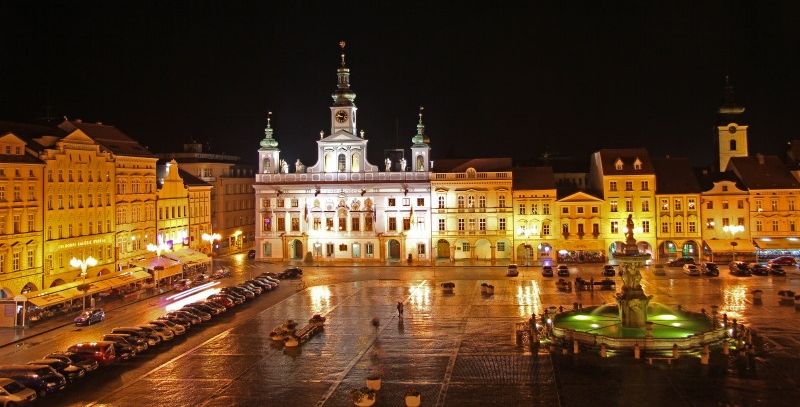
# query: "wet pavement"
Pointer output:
{"type": "Point", "coordinates": [454, 349]}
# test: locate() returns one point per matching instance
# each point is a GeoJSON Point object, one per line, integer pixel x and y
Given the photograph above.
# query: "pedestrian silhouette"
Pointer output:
{"type": "Point", "coordinates": [375, 324]}
{"type": "Point", "coordinates": [400, 309]}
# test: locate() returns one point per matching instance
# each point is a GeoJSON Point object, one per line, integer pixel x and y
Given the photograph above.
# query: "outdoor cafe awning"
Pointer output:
{"type": "Point", "coordinates": [161, 267]}
{"type": "Point", "coordinates": [69, 291]}
{"type": "Point", "coordinates": [724, 245]}
{"type": "Point", "coordinates": [189, 257]}
{"type": "Point", "coordinates": [777, 243]}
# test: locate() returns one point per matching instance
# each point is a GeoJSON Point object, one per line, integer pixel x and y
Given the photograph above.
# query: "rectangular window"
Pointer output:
{"type": "Point", "coordinates": [295, 224]}
{"type": "Point", "coordinates": [645, 226]}
{"type": "Point", "coordinates": [691, 204]}
{"type": "Point", "coordinates": [17, 193]}
{"type": "Point", "coordinates": [664, 205]}
{"type": "Point", "coordinates": [471, 225]}
{"type": "Point", "coordinates": [595, 209]}
{"type": "Point", "coordinates": [628, 206]}
{"type": "Point", "coordinates": [329, 249]}
{"type": "Point", "coordinates": [678, 204]}
{"type": "Point", "coordinates": [482, 224]}
{"type": "Point", "coordinates": [791, 205]}
{"type": "Point", "coordinates": [329, 224]}
{"type": "Point", "coordinates": [481, 201]}
{"type": "Point", "coordinates": [421, 249]}
{"type": "Point", "coordinates": [709, 205]}
{"type": "Point", "coordinates": [774, 203]}
{"type": "Point", "coordinates": [725, 205]}
{"type": "Point", "coordinates": [392, 202]}
{"type": "Point", "coordinates": [545, 209]}
{"type": "Point", "coordinates": [774, 225]}
{"type": "Point", "coordinates": [368, 224]}
{"type": "Point", "coordinates": [31, 222]}
{"type": "Point", "coordinates": [317, 223]}
{"type": "Point", "coordinates": [614, 227]}
{"type": "Point", "coordinates": [580, 229]}
{"type": "Point", "coordinates": [294, 202]}
{"type": "Point", "coordinates": [501, 201]}
{"type": "Point", "coordinates": [709, 223]}
{"type": "Point", "coordinates": [342, 224]}
{"type": "Point", "coordinates": [441, 225]}
{"type": "Point", "coordinates": [501, 246]}
{"type": "Point", "coordinates": [613, 206]}
{"type": "Point", "coordinates": [612, 186]}
{"type": "Point", "coordinates": [420, 201]}
{"type": "Point", "coordinates": [726, 222]}
{"type": "Point", "coordinates": [267, 226]}
{"type": "Point", "coordinates": [759, 227]}
{"type": "Point", "coordinates": [692, 226]}
{"type": "Point", "coordinates": [17, 224]}
{"type": "Point", "coordinates": [645, 186]}
{"type": "Point", "coordinates": [501, 225]}
{"type": "Point", "coordinates": [522, 209]}
{"type": "Point", "coordinates": [15, 261]}
{"type": "Point", "coordinates": [645, 205]}
{"type": "Point", "coordinates": [441, 202]}
{"type": "Point", "coordinates": [678, 227]}
{"type": "Point", "coordinates": [534, 209]}
{"type": "Point", "coordinates": [629, 185]}
{"type": "Point", "coordinates": [370, 249]}
{"type": "Point", "coordinates": [280, 202]}
{"type": "Point", "coordinates": [759, 208]}
{"type": "Point", "coordinates": [465, 246]}
{"type": "Point", "coordinates": [595, 228]}
{"type": "Point", "coordinates": [579, 209]}
{"type": "Point", "coordinates": [342, 247]}
{"type": "Point", "coordinates": [565, 210]}
{"type": "Point", "coordinates": [281, 224]}
{"type": "Point", "coordinates": [461, 224]}
{"type": "Point", "coordinates": [546, 229]}
{"type": "Point", "coordinates": [392, 223]}
{"type": "Point", "coordinates": [31, 259]}
{"type": "Point", "coordinates": [406, 223]}
{"type": "Point", "coordinates": [792, 227]}
{"type": "Point", "coordinates": [664, 227]}
{"type": "Point", "coordinates": [406, 201]}
{"type": "Point", "coordinates": [355, 224]}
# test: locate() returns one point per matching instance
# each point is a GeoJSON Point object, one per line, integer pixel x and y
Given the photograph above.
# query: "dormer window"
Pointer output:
{"type": "Point", "coordinates": [618, 164]}
{"type": "Point", "coordinates": [637, 165]}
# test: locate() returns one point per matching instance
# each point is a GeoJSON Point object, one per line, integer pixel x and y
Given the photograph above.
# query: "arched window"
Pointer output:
{"type": "Point", "coordinates": [328, 163]}
{"type": "Point", "coordinates": [732, 145]}
{"type": "Point", "coordinates": [342, 163]}
{"type": "Point", "coordinates": [355, 162]}
{"type": "Point", "coordinates": [420, 163]}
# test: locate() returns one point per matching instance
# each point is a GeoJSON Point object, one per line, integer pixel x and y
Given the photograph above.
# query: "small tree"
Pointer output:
{"type": "Point", "coordinates": [309, 259]}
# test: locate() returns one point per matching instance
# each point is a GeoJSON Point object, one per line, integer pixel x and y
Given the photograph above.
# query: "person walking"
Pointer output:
{"type": "Point", "coordinates": [400, 309]}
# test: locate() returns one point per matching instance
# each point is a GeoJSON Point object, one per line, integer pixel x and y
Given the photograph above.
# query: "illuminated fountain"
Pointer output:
{"type": "Point", "coordinates": [635, 320]}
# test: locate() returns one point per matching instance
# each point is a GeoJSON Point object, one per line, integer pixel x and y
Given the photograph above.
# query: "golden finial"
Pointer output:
{"type": "Point", "coordinates": [269, 118]}
{"type": "Point", "coordinates": [342, 44]}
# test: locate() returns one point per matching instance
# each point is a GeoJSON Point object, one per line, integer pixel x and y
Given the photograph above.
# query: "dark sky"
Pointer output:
{"type": "Point", "coordinates": [558, 77]}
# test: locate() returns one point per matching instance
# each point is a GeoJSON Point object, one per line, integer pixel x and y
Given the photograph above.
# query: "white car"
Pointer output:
{"type": "Point", "coordinates": [691, 269]}
{"type": "Point", "coordinates": [175, 328]}
{"type": "Point", "coordinates": [15, 394]}
{"type": "Point", "coordinates": [162, 332]}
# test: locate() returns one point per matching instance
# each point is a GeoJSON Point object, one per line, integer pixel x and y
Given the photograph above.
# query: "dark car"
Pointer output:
{"type": "Point", "coordinates": [89, 365]}
{"type": "Point", "coordinates": [220, 308]}
{"type": "Point", "coordinates": [182, 285]}
{"type": "Point", "coordinates": [739, 269]}
{"type": "Point", "coordinates": [608, 271]}
{"type": "Point", "coordinates": [42, 379]}
{"type": "Point", "coordinates": [784, 261]}
{"type": "Point", "coordinates": [759, 269]}
{"type": "Point", "coordinates": [233, 294]}
{"type": "Point", "coordinates": [204, 308]}
{"type": "Point", "coordinates": [261, 284]}
{"type": "Point", "coordinates": [204, 316]}
{"type": "Point", "coordinates": [123, 341]}
{"type": "Point", "coordinates": [680, 262]}
{"type": "Point", "coordinates": [563, 270]}
{"type": "Point", "coordinates": [225, 300]}
{"type": "Point", "coordinates": [90, 316]}
{"type": "Point", "coordinates": [194, 319]}
{"type": "Point", "coordinates": [777, 270]}
{"type": "Point", "coordinates": [256, 289]}
{"type": "Point", "coordinates": [241, 291]}
{"type": "Point", "coordinates": [512, 270]}
{"type": "Point", "coordinates": [269, 274]}
{"type": "Point", "coordinates": [103, 352]}
{"type": "Point", "coordinates": [72, 372]}
{"type": "Point", "coordinates": [177, 329]}
{"type": "Point", "coordinates": [274, 282]}
{"type": "Point", "coordinates": [710, 270]}
{"type": "Point", "coordinates": [547, 271]}
{"type": "Point", "coordinates": [152, 339]}
{"type": "Point", "coordinates": [291, 272]}
{"type": "Point", "coordinates": [251, 254]}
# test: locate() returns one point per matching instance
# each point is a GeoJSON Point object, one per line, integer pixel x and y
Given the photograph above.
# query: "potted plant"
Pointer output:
{"type": "Point", "coordinates": [413, 398]}
{"type": "Point", "coordinates": [484, 288]}
{"type": "Point", "coordinates": [490, 290]}
{"type": "Point", "coordinates": [291, 342]}
{"type": "Point", "coordinates": [374, 381]}
{"type": "Point", "coordinates": [448, 287]}
{"type": "Point", "coordinates": [363, 396]}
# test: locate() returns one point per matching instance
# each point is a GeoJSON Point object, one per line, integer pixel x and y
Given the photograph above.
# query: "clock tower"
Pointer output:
{"type": "Point", "coordinates": [731, 133]}
{"type": "Point", "coordinates": [343, 111]}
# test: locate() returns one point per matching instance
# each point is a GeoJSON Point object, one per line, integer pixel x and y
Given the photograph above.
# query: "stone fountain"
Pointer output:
{"type": "Point", "coordinates": [632, 301]}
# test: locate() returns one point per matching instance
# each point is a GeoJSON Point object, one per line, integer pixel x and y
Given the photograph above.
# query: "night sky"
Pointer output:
{"type": "Point", "coordinates": [519, 81]}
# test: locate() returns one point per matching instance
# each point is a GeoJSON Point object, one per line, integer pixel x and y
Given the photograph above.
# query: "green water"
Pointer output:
{"type": "Point", "coordinates": [604, 320]}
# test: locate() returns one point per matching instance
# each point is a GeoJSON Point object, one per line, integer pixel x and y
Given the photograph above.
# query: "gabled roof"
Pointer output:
{"type": "Point", "coordinates": [707, 177]}
{"type": "Point", "coordinates": [190, 180]}
{"type": "Point", "coordinates": [341, 135]}
{"type": "Point", "coordinates": [579, 196]}
{"type": "Point", "coordinates": [628, 156]}
{"type": "Point", "coordinates": [763, 172]}
{"type": "Point", "coordinates": [675, 176]}
{"type": "Point", "coordinates": [109, 137]}
{"type": "Point", "coordinates": [479, 164]}
{"type": "Point", "coordinates": [29, 132]}
{"type": "Point", "coordinates": [533, 178]}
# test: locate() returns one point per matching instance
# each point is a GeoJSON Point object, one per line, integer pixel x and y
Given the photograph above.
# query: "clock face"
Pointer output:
{"type": "Point", "coordinates": [341, 116]}
{"type": "Point", "coordinates": [732, 129]}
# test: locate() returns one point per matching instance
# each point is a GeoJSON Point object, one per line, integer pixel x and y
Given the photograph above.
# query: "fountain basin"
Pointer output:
{"type": "Point", "coordinates": [593, 326]}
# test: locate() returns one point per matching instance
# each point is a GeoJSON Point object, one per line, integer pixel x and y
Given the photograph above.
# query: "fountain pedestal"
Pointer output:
{"type": "Point", "coordinates": [632, 301]}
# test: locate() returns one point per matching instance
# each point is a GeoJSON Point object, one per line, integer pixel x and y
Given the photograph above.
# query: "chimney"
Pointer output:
{"type": "Point", "coordinates": [78, 121]}
{"type": "Point", "coordinates": [760, 158]}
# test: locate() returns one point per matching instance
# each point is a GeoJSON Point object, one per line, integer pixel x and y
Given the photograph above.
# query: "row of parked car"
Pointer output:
{"type": "Point", "coordinates": [23, 383]}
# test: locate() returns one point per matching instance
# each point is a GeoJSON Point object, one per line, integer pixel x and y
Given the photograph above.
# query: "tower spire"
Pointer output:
{"type": "Point", "coordinates": [343, 95]}
{"type": "Point", "coordinates": [420, 138]}
{"type": "Point", "coordinates": [729, 106]}
{"type": "Point", "coordinates": [268, 141]}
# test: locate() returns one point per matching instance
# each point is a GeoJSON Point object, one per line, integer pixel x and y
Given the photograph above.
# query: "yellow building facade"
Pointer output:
{"type": "Point", "coordinates": [173, 207]}
{"type": "Point", "coordinates": [724, 204]}
{"type": "Point", "coordinates": [627, 181]}
{"type": "Point", "coordinates": [472, 216]}
{"type": "Point", "coordinates": [21, 214]}
{"type": "Point", "coordinates": [578, 228]}
{"type": "Point", "coordinates": [678, 209]}
{"type": "Point", "coordinates": [534, 206]}
{"type": "Point", "coordinates": [199, 211]}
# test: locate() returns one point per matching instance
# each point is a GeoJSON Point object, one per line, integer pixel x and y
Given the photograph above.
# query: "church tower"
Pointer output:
{"type": "Point", "coordinates": [343, 111]}
{"type": "Point", "coordinates": [269, 153]}
{"type": "Point", "coordinates": [420, 150]}
{"type": "Point", "coordinates": [731, 133]}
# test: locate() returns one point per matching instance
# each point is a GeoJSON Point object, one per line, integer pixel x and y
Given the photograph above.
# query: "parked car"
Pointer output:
{"type": "Point", "coordinates": [691, 269]}
{"type": "Point", "coordinates": [194, 319]}
{"type": "Point", "coordinates": [291, 272]}
{"type": "Point", "coordinates": [177, 329]}
{"type": "Point", "coordinates": [759, 269]}
{"type": "Point", "coordinates": [252, 287]}
{"type": "Point", "coordinates": [89, 365]}
{"type": "Point", "coordinates": [563, 270]}
{"type": "Point", "coordinates": [659, 269]}
{"type": "Point", "coordinates": [225, 300]}
{"type": "Point", "coordinates": [269, 274]}
{"type": "Point", "coordinates": [186, 323]}
{"type": "Point", "coordinates": [547, 271]}
{"type": "Point", "coordinates": [784, 261]}
{"type": "Point", "coordinates": [137, 344]}
{"type": "Point", "coordinates": [13, 393]}
{"type": "Point", "coordinates": [103, 352]}
{"type": "Point", "coordinates": [182, 285]}
{"type": "Point", "coordinates": [739, 269]}
{"type": "Point", "coordinates": [43, 380]}
{"type": "Point", "coordinates": [512, 270]}
{"type": "Point", "coordinates": [204, 308]}
{"type": "Point", "coordinates": [271, 280]}
{"type": "Point", "coordinates": [165, 334]}
{"type": "Point", "coordinates": [90, 316]}
{"type": "Point", "coordinates": [221, 272]}
{"type": "Point", "coordinates": [220, 308]}
{"type": "Point", "coordinates": [68, 370]}
{"type": "Point", "coordinates": [777, 270]}
{"type": "Point", "coordinates": [239, 290]}
{"type": "Point", "coordinates": [200, 279]}
{"type": "Point", "coordinates": [152, 340]}
{"type": "Point", "coordinates": [204, 316]}
{"type": "Point", "coordinates": [710, 270]}
{"type": "Point", "coordinates": [608, 271]}
{"type": "Point", "coordinates": [251, 254]}
{"type": "Point", "coordinates": [680, 262]}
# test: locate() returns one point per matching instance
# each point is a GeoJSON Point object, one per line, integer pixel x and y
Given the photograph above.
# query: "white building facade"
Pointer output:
{"type": "Point", "coordinates": [343, 207]}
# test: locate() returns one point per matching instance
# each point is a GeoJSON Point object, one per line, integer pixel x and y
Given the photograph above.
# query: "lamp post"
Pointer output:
{"type": "Point", "coordinates": [83, 265]}
{"type": "Point", "coordinates": [211, 238]}
{"type": "Point", "coordinates": [733, 230]}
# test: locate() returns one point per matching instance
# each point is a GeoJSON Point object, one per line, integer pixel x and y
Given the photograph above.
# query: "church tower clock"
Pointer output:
{"type": "Point", "coordinates": [731, 132]}
{"type": "Point", "coordinates": [343, 111]}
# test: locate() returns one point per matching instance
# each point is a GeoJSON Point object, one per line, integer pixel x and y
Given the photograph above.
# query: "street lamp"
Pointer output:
{"type": "Point", "coordinates": [157, 248]}
{"type": "Point", "coordinates": [211, 238]}
{"type": "Point", "coordinates": [83, 265]}
{"type": "Point", "coordinates": [733, 230]}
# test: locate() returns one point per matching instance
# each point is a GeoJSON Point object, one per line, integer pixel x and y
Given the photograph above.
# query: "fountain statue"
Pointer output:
{"type": "Point", "coordinates": [632, 300]}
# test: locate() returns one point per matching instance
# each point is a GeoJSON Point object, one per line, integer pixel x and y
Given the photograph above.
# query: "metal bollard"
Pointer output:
{"type": "Point", "coordinates": [704, 357]}
{"type": "Point", "coordinates": [603, 351]}
{"type": "Point", "coordinates": [637, 352]}
{"type": "Point", "coordinates": [576, 348]}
